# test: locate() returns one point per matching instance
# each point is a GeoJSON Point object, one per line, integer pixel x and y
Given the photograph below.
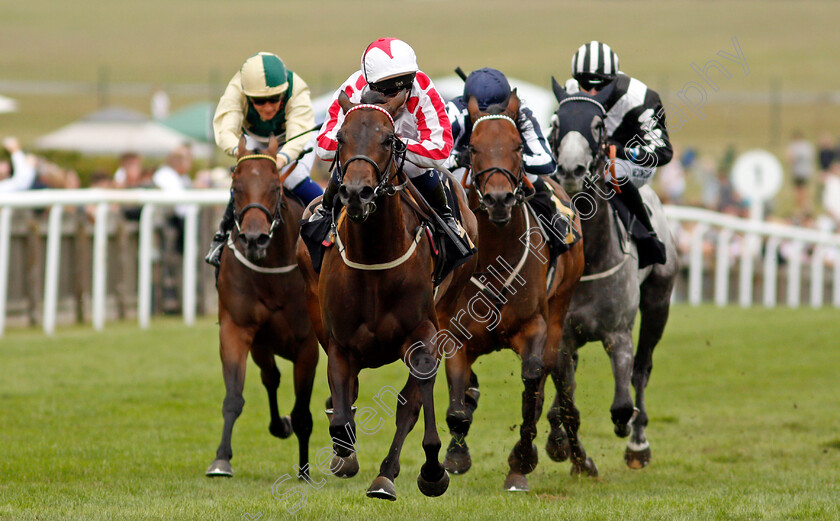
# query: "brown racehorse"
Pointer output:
{"type": "Point", "coordinates": [510, 286]}
{"type": "Point", "coordinates": [262, 308]}
{"type": "Point", "coordinates": [374, 302]}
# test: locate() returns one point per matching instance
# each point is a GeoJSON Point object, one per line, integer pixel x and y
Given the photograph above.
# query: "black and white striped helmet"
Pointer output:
{"type": "Point", "coordinates": [594, 65]}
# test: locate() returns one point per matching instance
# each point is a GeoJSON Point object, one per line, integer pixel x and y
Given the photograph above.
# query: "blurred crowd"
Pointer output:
{"type": "Point", "coordinates": [812, 172]}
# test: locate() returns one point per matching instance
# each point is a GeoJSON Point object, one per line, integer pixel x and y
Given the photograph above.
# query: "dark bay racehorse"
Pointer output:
{"type": "Point", "coordinates": [374, 301]}
{"type": "Point", "coordinates": [262, 308]}
{"type": "Point", "coordinates": [511, 283]}
{"type": "Point", "coordinates": [612, 288]}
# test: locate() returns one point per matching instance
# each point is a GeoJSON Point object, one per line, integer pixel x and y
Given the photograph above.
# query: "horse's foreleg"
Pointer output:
{"type": "Point", "coordinates": [530, 344]}
{"type": "Point", "coordinates": [566, 411]}
{"type": "Point", "coordinates": [654, 308]}
{"type": "Point", "coordinates": [234, 344]}
{"type": "Point", "coordinates": [424, 361]}
{"type": "Point", "coordinates": [280, 427]}
{"type": "Point", "coordinates": [342, 374]}
{"type": "Point", "coordinates": [619, 347]}
{"type": "Point", "coordinates": [460, 412]}
{"type": "Point", "coordinates": [305, 365]}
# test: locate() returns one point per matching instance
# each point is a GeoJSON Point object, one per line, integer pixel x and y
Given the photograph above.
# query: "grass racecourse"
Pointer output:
{"type": "Point", "coordinates": [122, 425]}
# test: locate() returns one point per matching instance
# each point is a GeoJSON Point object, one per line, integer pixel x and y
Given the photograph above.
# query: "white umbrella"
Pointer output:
{"type": "Point", "coordinates": [7, 105]}
{"type": "Point", "coordinates": [116, 131]}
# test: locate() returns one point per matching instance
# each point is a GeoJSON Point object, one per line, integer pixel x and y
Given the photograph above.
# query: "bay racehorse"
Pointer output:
{"type": "Point", "coordinates": [373, 302]}
{"type": "Point", "coordinates": [612, 288]}
{"type": "Point", "coordinates": [511, 284]}
{"type": "Point", "coordinates": [262, 308]}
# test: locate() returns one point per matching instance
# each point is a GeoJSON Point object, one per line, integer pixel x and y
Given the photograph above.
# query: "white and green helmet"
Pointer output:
{"type": "Point", "coordinates": [264, 75]}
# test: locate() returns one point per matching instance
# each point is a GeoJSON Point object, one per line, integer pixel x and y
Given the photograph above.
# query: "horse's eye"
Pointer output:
{"type": "Point", "coordinates": [340, 137]}
{"type": "Point", "coordinates": [470, 149]}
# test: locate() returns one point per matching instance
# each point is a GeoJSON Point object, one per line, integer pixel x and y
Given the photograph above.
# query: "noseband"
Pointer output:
{"type": "Point", "coordinates": [515, 180]}
{"type": "Point", "coordinates": [276, 218]}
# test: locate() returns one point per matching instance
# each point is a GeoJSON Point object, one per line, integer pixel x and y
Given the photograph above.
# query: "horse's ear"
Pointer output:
{"type": "Point", "coordinates": [394, 104]}
{"type": "Point", "coordinates": [513, 105]}
{"type": "Point", "coordinates": [272, 145]}
{"type": "Point", "coordinates": [344, 102]}
{"type": "Point", "coordinates": [603, 95]}
{"type": "Point", "coordinates": [240, 148]}
{"type": "Point", "coordinates": [472, 107]}
{"type": "Point", "coordinates": [559, 92]}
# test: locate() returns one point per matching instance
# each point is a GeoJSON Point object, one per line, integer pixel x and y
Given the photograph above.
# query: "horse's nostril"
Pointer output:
{"type": "Point", "coordinates": [263, 240]}
{"type": "Point", "coordinates": [487, 200]}
{"type": "Point", "coordinates": [510, 199]}
{"type": "Point", "coordinates": [366, 194]}
{"type": "Point", "coordinates": [342, 192]}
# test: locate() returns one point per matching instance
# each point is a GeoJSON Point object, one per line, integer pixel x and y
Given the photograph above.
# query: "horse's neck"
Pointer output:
{"type": "Point", "coordinates": [600, 244]}
{"type": "Point", "coordinates": [382, 237]}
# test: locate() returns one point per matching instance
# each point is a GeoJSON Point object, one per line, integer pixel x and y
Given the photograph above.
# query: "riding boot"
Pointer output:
{"type": "Point", "coordinates": [543, 204]}
{"type": "Point", "coordinates": [214, 256]}
{"type": "Point", "coordinates": [315, 232]}
{"type": "Point", "coordinates": [651, 250]}
{"type": "Point", "coordinates": [432, 190]}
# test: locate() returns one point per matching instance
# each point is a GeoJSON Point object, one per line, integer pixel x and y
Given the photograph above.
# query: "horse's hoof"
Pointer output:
{"type": "Point", "coordinates": [282, 429]}
{"type": "Point", "coordinates": [622, 430]}
{"type": "Point", "coordinates": [345, 467]}
{"type": "Point", "coordinates": [637, 459]}
{"type": "Point", "coordinates": [523, 460]}
{"type": "Point", "coordinates": [587, 469]}
{"type": "Point", "coordinates": [516, 482]}
{"type": "Point", "coordinates": [382, 488]}
{"type": "Point", "coordinates": [457, 460]}
{"type": "Point", "coordinates": [433, 488]}
{"type": "Point", "coordinates": [557, 447]}
{"type": "Point", "coordinates": [219, 468]}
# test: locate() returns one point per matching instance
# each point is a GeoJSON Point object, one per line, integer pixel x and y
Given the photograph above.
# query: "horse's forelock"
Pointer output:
{"type": "Point", "coordinates": [498, 108]}
{"type": "Point", "coordinates": [373, 97]}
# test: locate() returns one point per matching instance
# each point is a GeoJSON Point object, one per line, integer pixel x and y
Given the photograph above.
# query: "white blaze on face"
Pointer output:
{"type": "Point", "coordinates": [573, 152]}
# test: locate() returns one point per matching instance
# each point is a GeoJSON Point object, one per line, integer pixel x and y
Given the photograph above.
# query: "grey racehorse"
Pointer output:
{"type": "Point", "coordinates": [611, 290]}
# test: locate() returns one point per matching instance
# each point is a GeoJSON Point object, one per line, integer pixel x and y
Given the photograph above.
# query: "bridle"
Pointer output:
{"type": "Point", "coordinates": [600, 149]}
{"type": "Point", "coordinates": [516, 180]}
{"type": "Point", "coordinates": [276, 218]}
{"type": "Point", "coordinates": [383, 175]}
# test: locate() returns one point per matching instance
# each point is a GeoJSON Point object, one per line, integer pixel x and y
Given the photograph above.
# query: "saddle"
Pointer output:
{"type": "Point", "coordinates": [649, 247]}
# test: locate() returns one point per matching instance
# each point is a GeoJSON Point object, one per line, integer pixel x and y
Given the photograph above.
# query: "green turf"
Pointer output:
{"type": "Point", "coordinates": [122, 425]}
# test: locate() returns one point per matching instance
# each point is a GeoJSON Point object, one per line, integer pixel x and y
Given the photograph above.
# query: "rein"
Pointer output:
{"type": "Point", "coordinates": [391, 170]}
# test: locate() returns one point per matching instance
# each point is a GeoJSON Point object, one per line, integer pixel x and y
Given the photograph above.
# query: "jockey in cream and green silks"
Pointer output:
{"type": "Point", "coordinates": [264, 98]}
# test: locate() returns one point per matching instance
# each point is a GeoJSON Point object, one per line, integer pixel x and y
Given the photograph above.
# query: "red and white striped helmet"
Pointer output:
{"type": "Point", "coordinates": [388, 58]}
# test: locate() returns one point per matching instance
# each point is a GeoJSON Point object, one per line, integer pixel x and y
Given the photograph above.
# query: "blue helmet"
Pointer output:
{"type": "Point", "coordinates": [489, 86]}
